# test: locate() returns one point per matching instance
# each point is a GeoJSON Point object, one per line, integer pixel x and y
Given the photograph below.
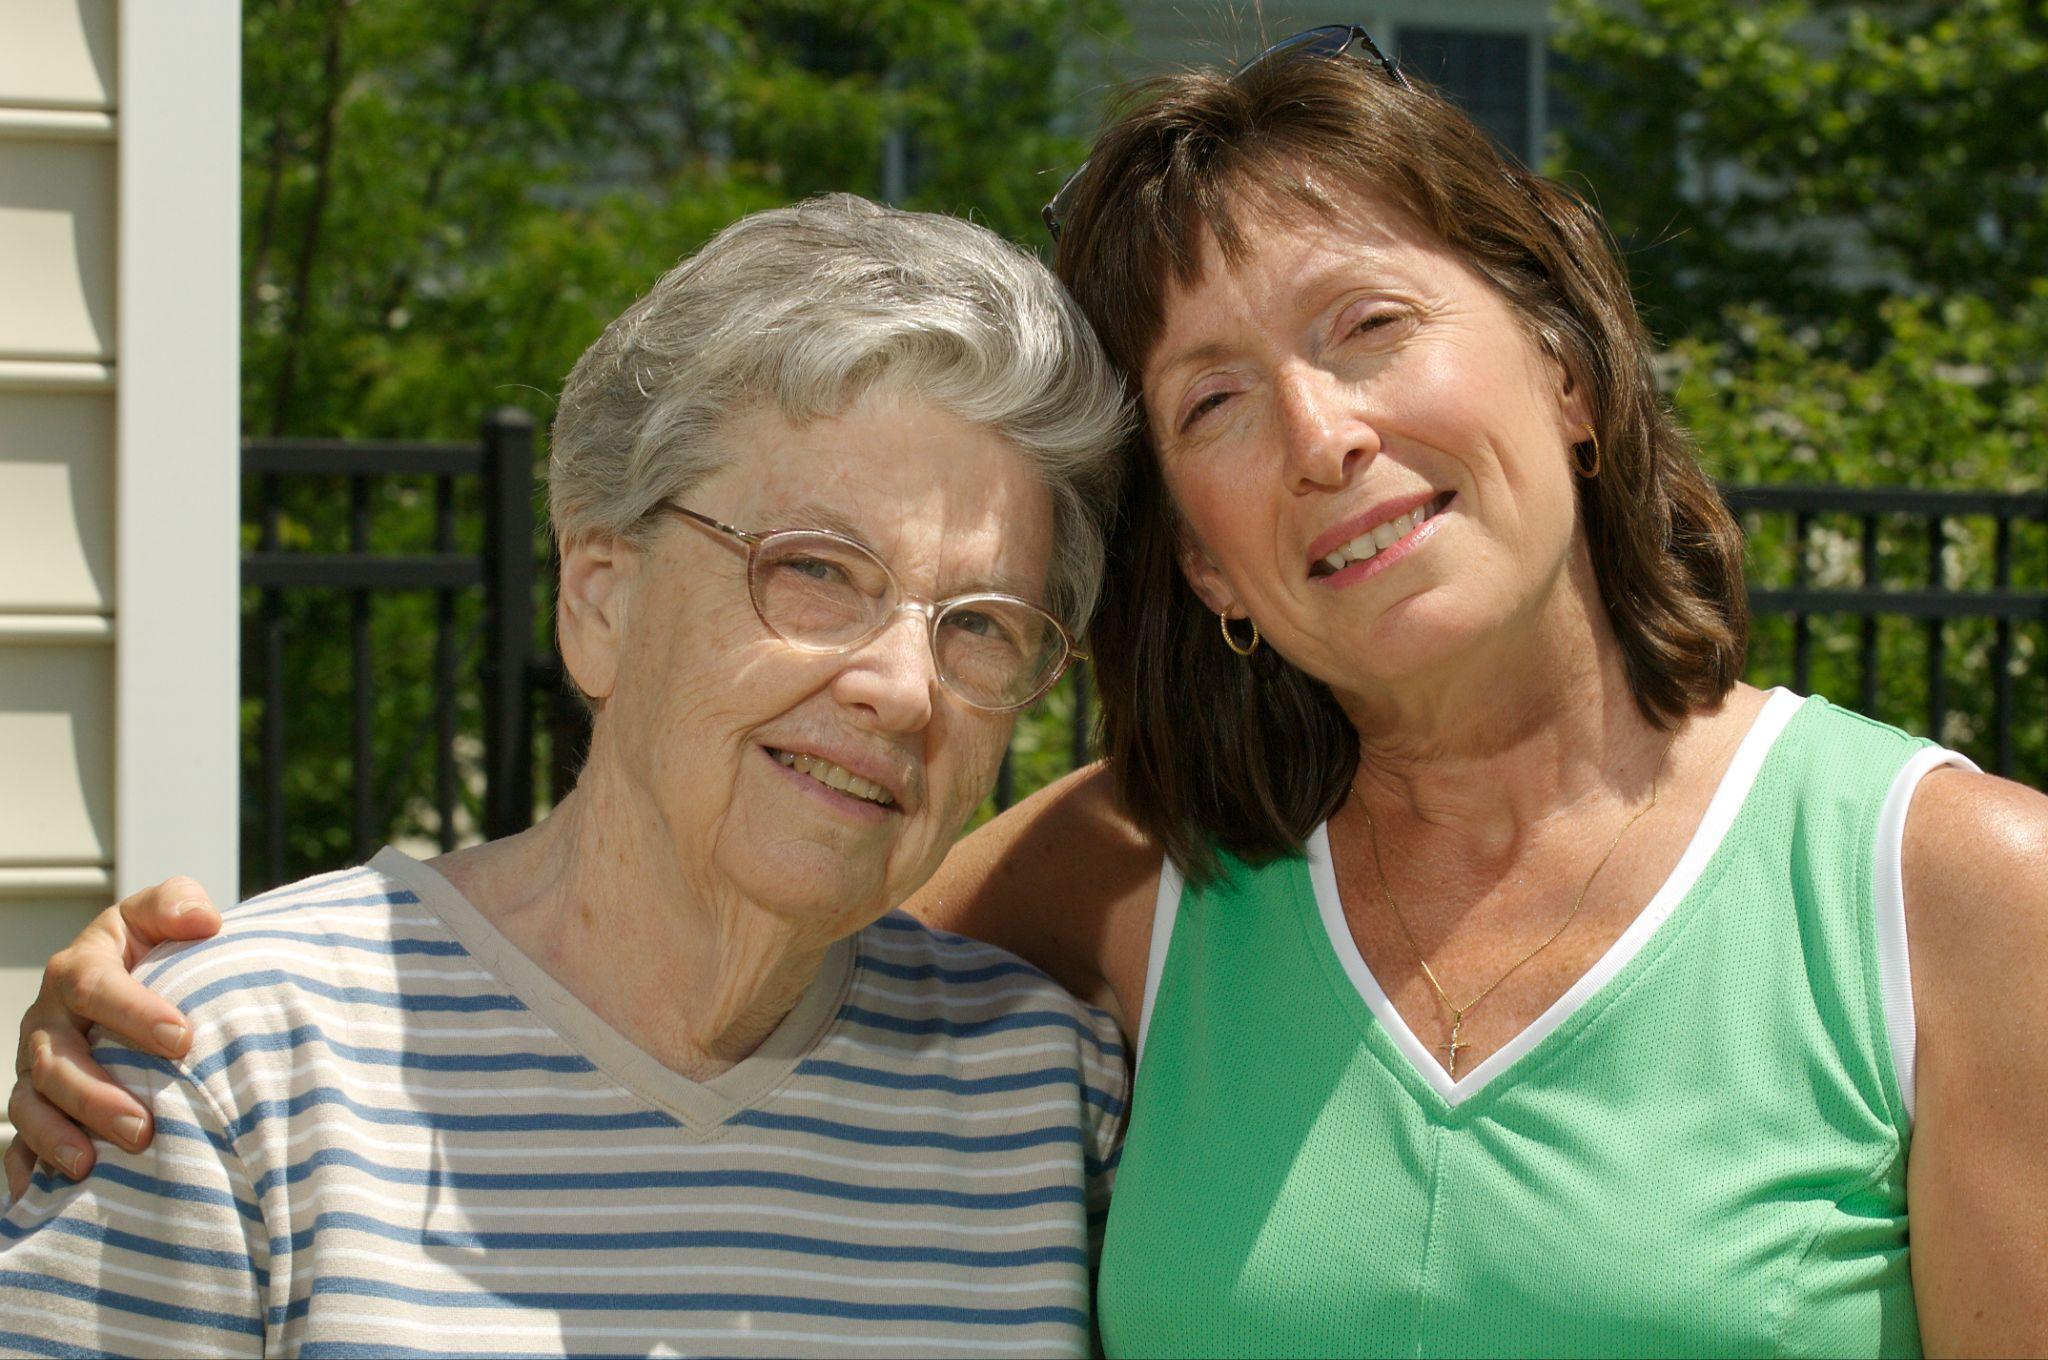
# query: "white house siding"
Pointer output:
{"type": "Point", "coordinates": [118, 217]}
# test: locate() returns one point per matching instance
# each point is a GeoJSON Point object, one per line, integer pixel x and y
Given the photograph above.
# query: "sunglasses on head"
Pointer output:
{"type": "Point", "coordinates": [1331, 40]}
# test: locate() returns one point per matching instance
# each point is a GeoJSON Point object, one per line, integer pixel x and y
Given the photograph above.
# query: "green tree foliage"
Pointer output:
{"type": "Point", "coordinates": [1813, 157]}
{"type": "Point", "coordinates": [444, 202]}
{"type": "Point", "coordinates": [1836, 216]}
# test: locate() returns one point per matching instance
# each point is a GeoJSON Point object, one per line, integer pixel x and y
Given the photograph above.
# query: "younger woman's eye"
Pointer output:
{"type": "Point", "coordinates": [1203, 407]}
{"type": "Point", "coordinates": [1376, 321]}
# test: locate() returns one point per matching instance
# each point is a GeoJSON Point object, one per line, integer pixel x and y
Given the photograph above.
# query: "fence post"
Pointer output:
{"type": "Point", "coordinates": [508, 621]}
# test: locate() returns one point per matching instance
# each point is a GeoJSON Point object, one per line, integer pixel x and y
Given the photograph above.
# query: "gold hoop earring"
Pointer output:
{"type": "Point", "coordinates": [1589, 473]}
{"type": "Point", "coordinates": [1230, 638]}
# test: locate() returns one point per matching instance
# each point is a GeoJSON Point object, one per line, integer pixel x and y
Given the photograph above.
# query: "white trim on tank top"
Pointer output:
{"type": "Point", "coordinates": [1894, 969]}
{"type": "Point", "coordinates": [1895, 977]}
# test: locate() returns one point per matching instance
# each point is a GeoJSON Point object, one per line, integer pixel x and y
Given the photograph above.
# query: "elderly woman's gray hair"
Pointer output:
{"type": "Point", "coordinates": [808, 308]}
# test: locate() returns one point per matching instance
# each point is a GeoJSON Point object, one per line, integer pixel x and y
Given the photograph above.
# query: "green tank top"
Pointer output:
{"type": "Point", "coordinates": [1700, 1149]}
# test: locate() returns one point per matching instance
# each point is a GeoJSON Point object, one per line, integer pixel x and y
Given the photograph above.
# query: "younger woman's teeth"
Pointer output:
{"type": "Point", "coordinates": [835, 776]}
{"type": "Point", "coordinates": [1381, 536]}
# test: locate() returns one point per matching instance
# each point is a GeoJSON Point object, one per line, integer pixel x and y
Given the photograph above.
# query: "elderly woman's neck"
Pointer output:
{"type": "Point", "coordinates": [696, 977]}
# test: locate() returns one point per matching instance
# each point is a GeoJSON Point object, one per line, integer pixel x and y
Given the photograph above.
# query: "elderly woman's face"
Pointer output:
{"type": "Point", "coordinates": [739, 738]}
{"type": "Point", "coordinates": [1368, 451]}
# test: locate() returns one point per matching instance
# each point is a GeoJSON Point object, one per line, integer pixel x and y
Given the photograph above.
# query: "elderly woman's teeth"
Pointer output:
{"type": "Point", "coordinates": [835, 776]}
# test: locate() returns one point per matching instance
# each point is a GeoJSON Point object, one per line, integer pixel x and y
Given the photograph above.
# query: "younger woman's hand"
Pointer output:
{"type": "Point", "coordinates": [58, 1086]}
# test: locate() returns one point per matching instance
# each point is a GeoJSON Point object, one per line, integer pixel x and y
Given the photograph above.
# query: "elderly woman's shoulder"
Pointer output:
{"type": "Point", "coordinates": [918, 977]}
{"type": "Point", "coordinates": [347, 934]}
{"type": "Point", "coordinates": [1065, 879]}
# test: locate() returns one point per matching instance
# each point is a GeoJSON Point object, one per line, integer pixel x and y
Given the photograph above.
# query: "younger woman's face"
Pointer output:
{"type": "Point", "coordinates": [1369, 452]}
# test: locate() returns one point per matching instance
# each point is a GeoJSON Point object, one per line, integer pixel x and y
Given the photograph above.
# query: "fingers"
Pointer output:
{"type": "Point", "coordinates": [64, 1076]}
{"type": "Point", "coordinates": [175, 909]}
{"type": "Point", "coordinates": [21, 1161]}
{"type": "Point", "coordinates": [87, 983]}
{"type": "Point", "coordinates": [44, 1131]}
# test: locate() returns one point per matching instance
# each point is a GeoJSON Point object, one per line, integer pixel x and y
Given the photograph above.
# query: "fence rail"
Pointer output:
{"type": "Point", "coordinates": [1846, 564]}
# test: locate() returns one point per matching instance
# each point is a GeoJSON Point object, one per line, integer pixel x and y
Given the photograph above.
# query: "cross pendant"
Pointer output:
{"type": "Point", "coordinates": [1451, 1048]}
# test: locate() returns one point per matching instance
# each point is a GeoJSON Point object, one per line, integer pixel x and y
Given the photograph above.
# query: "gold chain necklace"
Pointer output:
{"type": "Point", "coordinates": [1458, 1013]}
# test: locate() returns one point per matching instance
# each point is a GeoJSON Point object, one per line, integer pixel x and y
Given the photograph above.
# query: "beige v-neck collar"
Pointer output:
{"type": "Point", "coordinates": [701, 1106]}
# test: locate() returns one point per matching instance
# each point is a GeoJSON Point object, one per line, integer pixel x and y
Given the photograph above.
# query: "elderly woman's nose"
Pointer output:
{"type": "Point", "coordinates": [891, 677]}
{"type": "Point", "coordinates": [1323, 428]}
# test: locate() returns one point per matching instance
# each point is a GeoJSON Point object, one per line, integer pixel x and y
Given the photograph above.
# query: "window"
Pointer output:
{"type": "Point", "coordinates": [1485, 74]}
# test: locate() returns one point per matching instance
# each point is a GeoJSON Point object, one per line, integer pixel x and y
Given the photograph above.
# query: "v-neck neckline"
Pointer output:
{"type": "Point", "coordinates": [700, 1106]}
{"type": "Point", "coordinates": [1722, 809]}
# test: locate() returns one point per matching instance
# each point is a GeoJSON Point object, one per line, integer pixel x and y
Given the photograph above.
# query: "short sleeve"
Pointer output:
{"type": "Point", "coordinates": [1105, 1074]}
{"type": "Point", "coordinates": [161, 1252]}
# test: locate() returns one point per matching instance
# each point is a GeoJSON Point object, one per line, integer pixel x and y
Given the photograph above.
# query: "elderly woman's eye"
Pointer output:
{"type": "Point", "coordinates": [815, 568]}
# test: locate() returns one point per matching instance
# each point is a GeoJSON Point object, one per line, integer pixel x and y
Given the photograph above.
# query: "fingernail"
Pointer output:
{"type": "Point", "coordinates": [186, 907]}
{"type": "Point", "coordinates": [128, 1130]}
{"type": "Point", "coordinates": [73, 1162]}
{"type": "Point", "coordinates": [170, 1036]}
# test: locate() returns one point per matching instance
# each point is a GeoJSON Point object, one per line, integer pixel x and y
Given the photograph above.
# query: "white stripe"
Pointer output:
{"type": "Point", "coordinates": [331, 967]}
{"type": "Point", "coordinates": [442, 1148]}
{"type": "Point", "coordinates": [946, 1112]}
{"type": "Point", "coordinates": [316, 1009]}
{"type": "Point", "coordinates": [353, 1191]}
{"type": "Point", "coordinates": [1888, 902]}
{"type": "Point", "coordinates": [956, 994]}
{"type": "Point", "coordinates": [151, 1342]}
{"type": "Point", "coordinates": [892, 1055]}
{"type": "Point", "coordinates": [828, 1343]}
{"type": "Point", "coordinates": [462, 1267]}
{"type": "Point", "coordinates": [94, 1259]}
{"type": "Point", "coordinates": [1165, 911]}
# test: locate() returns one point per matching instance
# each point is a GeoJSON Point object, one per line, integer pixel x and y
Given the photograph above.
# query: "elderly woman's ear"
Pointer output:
{"type": "Point", "coordinates": [591, 607]}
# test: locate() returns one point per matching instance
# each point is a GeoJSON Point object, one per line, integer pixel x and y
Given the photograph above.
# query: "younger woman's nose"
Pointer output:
{"type": "Point", "coordinates": [1323, 427]}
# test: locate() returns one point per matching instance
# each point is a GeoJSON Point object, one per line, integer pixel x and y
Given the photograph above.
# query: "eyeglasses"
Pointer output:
{"type": "Point", "coordinates": [1331, 40]}
{"type": "Point", "coordinates": [821, 591]}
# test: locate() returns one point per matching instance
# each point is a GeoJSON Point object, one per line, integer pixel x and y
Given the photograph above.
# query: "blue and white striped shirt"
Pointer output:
{"type": "Point", "coordinates": [397, 1135]}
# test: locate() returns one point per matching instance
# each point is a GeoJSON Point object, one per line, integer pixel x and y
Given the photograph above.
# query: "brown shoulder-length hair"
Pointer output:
{"type": "Point", "coordinates": [1208, 750]}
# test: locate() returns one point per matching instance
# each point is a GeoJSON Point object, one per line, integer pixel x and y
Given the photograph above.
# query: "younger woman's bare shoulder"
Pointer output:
{"type": "Point", "coordinates": [1064, 879]}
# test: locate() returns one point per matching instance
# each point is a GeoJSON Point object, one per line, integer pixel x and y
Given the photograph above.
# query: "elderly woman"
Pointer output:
{"type": "Point", "coordinates": [1509, 977]}
{"type": "Point", "coordinates": [665, 1070]}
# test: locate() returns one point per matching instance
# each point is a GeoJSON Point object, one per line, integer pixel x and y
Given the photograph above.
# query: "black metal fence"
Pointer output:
{"type": "Point", "coordinates": [1919, 607]}
{"type": "Point", "coordinates": [499, 467]}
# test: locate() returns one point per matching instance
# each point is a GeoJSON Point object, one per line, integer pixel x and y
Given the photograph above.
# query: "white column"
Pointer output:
{"type": "Point", "coordinates": [178, 431]}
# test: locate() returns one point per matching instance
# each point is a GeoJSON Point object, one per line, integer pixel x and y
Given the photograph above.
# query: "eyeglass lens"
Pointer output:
{"type": "Point", "coordinates": [823, 592]}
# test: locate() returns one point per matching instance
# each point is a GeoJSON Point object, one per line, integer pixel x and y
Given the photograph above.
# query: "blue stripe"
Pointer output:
{"type": "Point", "coordinates": [273, 904]}
{"type": "Point", "coordinates": [924, 972]}
{"type": "Point", "coordinates": [962, 1086]}
{"type": "Point", "coordinates": [443, 949]}
{"type": "Point", "coordinates": [24, 1344]}
{"type": "Point", "coordinates": [795, 1305]}
{"type": "Point", "coordinates": [869, 1136]}
{"type": "Point", "coordinates": [139, 1245]}
{"type": "Point", "coordinates": [363, 1350]}
{"type": "Point", "coordinates": [277, 1042]}
{"type": "Point", "coordinates": [603, 1182]}
{"type": "Point", "coordinates": [705, 1239]}
{"type": "Point", "coordinates": [355, 996]}
{"type": "Point", "coordinates": [176, 1190]}
{"type": "Point", "coordinates": [974, 1029]}
{"type": "Point", "coordinates": [39, 1283]}
{"type": "Point", "coordinates": [265, 1110]}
